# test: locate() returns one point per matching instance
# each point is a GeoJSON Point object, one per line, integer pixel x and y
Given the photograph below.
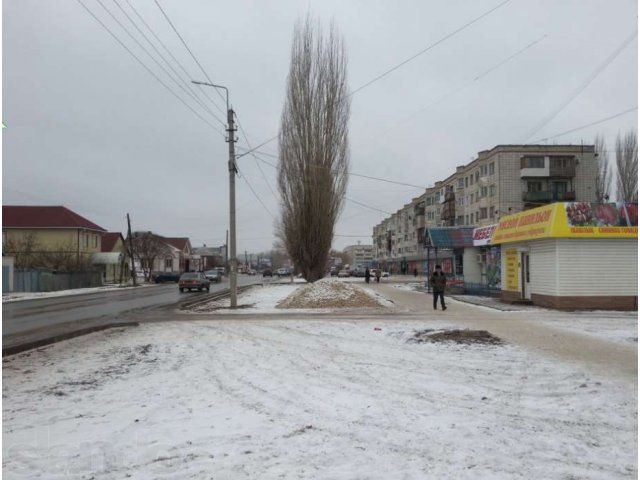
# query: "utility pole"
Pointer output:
{"type": "Point", "coordinates": [133, 266]}
{"type": "Point", "coordinates": [233, 274]}
{"type": "Point", "coordinates": [226, 250]}
{"type": "Point", "coordinates": [233, 267]}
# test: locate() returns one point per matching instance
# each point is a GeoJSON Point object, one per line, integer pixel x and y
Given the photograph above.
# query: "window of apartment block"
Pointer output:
{"type": "Point", "coordinates": [492, 190]}
{"type": "Point", "coordinates": [534, 186]}
{"type": "Point", "coordinates": [483, 213]}
{"type": "Point", "coordinates": [560, 188]}
{"type": "Point", "coordinates": [470, 179]}
{"type": "Point", "coordinates": [466, 182]}
{"type": "Point", "coordinates": [532, 162]}
{"type": "Point", "coordinates": [460, 220]}
{"type": "Point", "coordinates": [477, 176]}
{"type": "Point", "coordinates": [492, 168]}
{"type": "Point", "coordinates": [477, 216]}
{"type": "Point", "coordinates": [483, 170]}
{"type": "Point", "coordinates": [492, 212]}
{"type": "Point", "coordinates": [484, 191]}
{"type": "Point", "coordinates": [466, 219]}
{"type": "Point", "coordinates": [561, 161]}
{"type": "Point", "coordinates": [461, 183]}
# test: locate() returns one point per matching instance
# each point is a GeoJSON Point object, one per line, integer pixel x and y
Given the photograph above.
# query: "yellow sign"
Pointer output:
{"type": "Point", "coordinates": [569, 220]}
{"type": "Point", "coordinates": [511, 264]}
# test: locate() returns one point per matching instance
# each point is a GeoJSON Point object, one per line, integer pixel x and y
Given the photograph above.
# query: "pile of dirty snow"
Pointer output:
{"type": "Point", "coordinates": [329, 293]}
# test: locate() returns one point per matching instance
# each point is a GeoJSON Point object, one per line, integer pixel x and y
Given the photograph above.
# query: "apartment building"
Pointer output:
{"type": "Point", "coordinates": [359, 254]}
{"type": "Point", "coordinates": [504, 180]}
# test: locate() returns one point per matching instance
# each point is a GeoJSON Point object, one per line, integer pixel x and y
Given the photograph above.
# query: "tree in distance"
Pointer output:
{"type": "Point", "coordinates": [627, 166]}
{"type": "Point", "coordinates": [313, 147]}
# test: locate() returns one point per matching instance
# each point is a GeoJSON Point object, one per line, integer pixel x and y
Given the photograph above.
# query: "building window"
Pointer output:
{"type": "Point", "coordinates": [460, 183]}
{"type": "Point", "coordinates": [532, 162]}
{"type": "Point", "coordinates": [460, 220]}
{"type": "Point", "coordinates": [534, 186]}
{"type": "Point", "coordinates": [95, 241]}
{"type": "Point", "coordinates": [470, 179]}
{"type": "Point", "coordinates": [168, 263]}
{"type": "Point", "coordinates": [477, 216]}
{"type": "Point", "coordinates": [85, 240]}
{"type": "Point", "coordinates": [484, 191]}
{"type": "Point", "coordinates": [4, 238]}
{"type": "Point", "coordinates": [561, 161]}
{"type": "Point", "coordinates": [466, 182]}
{"type": "Point", "coordinates": [559, 188]}
{"type": "Point", "coordinates": [483, 213]}
{"type": "Point", "coordinates": [492, 168]}
{"type": "Point", "coordinates": [466, 219]}
{"type": "Point", "coordinates": [492, 191]}
{"type": "Point", "coordinates": [477, 175]}
{"type": "Point", "coordinates": [483, 170]}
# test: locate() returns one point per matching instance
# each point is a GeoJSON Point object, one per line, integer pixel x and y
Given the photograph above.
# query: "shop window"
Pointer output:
{"type": "Point", "coordinates": [459, 265]}
{"type": "Point", "coordinates": [492, 168]}
{"type": "Point", "coordinates": [532, 162]}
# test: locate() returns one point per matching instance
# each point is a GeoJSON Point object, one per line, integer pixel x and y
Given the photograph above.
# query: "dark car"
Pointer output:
{"type": "Point", "coordinates": [194, 281]}
{"type": "Point", "coordinates": [162, 277]}
{"type": "Point", "coordinates": [267, 273]}
{"type": "Point", "coordinates": [213, 276]}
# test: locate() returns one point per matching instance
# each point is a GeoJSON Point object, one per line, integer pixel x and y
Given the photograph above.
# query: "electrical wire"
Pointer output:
{"type": "Point", "coordinates": [446, 37]}
{"type": "Point", "coordinates": [151, 72]}
{"type": "Point", "coordinates": [189, 91]}
{"type": "Point", "coordinates": [624, 112]}
{"type": "Point", "coordinates": [255, 194]}
{"type": "Point", "coordinates": [367, 206]}
{"type": "Point", "coordinates": [584, 85]}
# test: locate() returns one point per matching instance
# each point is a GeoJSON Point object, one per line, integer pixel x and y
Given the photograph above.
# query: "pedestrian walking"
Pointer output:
{"type": "Point", "coordinates": [367, 275]}
{"type": "Point", "coordinates": [415, 272]}
{"type": "Point", "coordinates": [438, 282]}
{"type": "Point", "coordinates": [378, 275]}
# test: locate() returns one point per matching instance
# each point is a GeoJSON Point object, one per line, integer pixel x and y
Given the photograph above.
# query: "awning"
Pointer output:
{"type": "Point", "coordinates": [449, 237]}
{"type": "Point", "coordinates": [107, 258]}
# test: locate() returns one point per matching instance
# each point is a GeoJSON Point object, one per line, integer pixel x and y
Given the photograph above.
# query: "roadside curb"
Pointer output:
{"type": "Point", "coordinates": [23, 347]}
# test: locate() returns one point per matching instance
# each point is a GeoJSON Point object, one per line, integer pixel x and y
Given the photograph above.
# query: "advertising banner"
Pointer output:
{"type": "Point", "coordinates": [569, 220]}
{"type": "Point", "coordinates": [482, 235]}
{"type": "Point", "coordinates": [511, 269]}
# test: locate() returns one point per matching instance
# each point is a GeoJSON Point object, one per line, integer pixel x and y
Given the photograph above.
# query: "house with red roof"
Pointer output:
{"type": "Point", "coordinates": [181, 256]}
{"type": "Point", "coordinates": [113, 259]}
{"type": "Point", "coordinates": [50, 234]}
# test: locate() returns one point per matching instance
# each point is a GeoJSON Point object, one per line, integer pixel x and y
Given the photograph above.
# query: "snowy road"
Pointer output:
{"type": "Point", "coordinates": [308, 398]}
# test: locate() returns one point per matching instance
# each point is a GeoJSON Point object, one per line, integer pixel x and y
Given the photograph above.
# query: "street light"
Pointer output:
{"type": "Point", "coordinates": [233, 270]}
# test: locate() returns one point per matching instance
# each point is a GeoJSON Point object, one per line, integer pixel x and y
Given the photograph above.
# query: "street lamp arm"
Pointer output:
{"type": "Point", "coordinates": [215, 86]}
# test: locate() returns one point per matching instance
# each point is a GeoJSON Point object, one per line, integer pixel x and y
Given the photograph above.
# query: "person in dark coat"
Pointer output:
{"type": "Point", "coordinates": [438, 282]}
{"type": "Point", "coordinates": [367, 275]}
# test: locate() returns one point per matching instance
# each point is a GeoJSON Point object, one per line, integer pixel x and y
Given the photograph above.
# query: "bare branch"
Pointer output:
{"type": "Point", "coordinates": [627, 166]}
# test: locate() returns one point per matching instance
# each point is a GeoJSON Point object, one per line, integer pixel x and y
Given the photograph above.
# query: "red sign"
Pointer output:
{"type": "Point", "coordinates": [482, 235]}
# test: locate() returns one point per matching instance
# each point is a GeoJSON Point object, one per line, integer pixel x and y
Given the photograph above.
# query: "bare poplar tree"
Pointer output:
{"type": "Point", "coordinates": [603, 178]}
{"type": "Point", "coordinates": [314, 150]}
{"type": "Point", "coordinates": [627, 166]}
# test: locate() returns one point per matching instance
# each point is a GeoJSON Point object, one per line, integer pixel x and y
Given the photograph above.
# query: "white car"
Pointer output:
{"type": "Point", "coordinates": [343, 274]}
{"type": "Point", "coordinates": [385, 274]}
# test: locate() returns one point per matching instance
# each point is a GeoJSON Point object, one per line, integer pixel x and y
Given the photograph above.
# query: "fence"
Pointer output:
{"type": "Point", "coordinates": [37, 281]}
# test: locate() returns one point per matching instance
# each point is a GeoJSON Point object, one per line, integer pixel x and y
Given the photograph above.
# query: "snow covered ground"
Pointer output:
{"type": "Point", "coordinates": [315, 399]}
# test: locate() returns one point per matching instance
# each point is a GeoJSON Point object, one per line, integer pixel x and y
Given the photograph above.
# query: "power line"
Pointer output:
{"type": "Point", "coordinates": [190, 90]}
{"type": "Point", "coordinates": [446, 37]}
{"type": "Point", "coordinates": [588, 125]}
{"type": "Point", "coordinates": [367, 206]}
{"type": "Point", "coordinates": [421, 187]}
{"type": "Point", "coordinates": [149, 54]}
{"type": "Point", "coordinates": [255, 194]}
{"type": "Point", "coordinates": [584, 85]}
{"type": "Point", "coordinates": [145, 66]}
{"type": "Point", "coordinates": [186, 46]}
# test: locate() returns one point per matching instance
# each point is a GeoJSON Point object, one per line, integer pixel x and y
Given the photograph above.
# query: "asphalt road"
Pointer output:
{"type": "Point", "coordinates": [29, 315]}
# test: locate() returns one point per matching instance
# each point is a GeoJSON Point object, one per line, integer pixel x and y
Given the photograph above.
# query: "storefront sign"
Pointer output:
{"type": "Point", "coordinates": [511, 267]}
{"type": "Point", "coordinates": [482, 235]}
{"type": "Point", "coordinates": [569, 220]}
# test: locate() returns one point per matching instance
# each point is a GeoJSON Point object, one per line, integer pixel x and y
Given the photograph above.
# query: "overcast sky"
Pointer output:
{"type": "Point", "coordinates": [89, 128]}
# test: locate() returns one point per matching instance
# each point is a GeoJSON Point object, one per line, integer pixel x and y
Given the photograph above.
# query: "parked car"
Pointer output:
{"type": "Point", "coordinates": [267, 273]}
{"type": "Point", "coordinates": [385, 274]}
{"type": "Point", "coordinates": [283, 272]}
{"type": "Point", "coordinates": [213, 276]}
{"type": "Point", "coordinates": [162, 277]}
{"type": "Point", "coordinates": [252, 272]}
{"type": "Point", "coordinates": [343, 274]}
{"type": "Point", "coordinates": [333, 272]}
{"type": "Point", "coordinates": [192, 281]}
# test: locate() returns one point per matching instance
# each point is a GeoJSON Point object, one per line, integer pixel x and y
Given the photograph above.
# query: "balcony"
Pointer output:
{"type": "Point", "coordinates": [543, 196]}
{"type": "Point", "coordinates": [566, 171]}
